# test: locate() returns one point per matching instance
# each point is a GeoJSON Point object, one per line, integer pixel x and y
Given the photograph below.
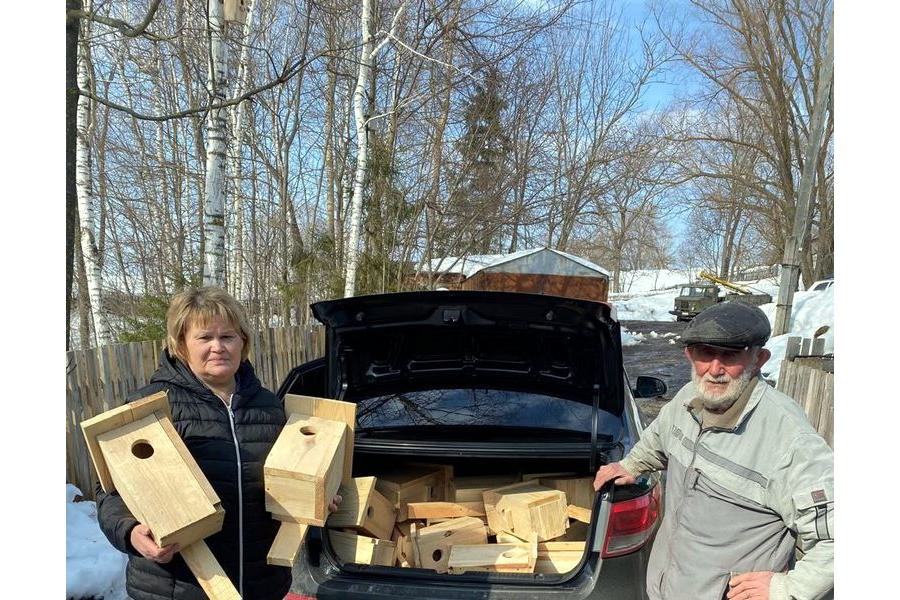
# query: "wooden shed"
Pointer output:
{"type": "Point", "coordinates": [535, 271]}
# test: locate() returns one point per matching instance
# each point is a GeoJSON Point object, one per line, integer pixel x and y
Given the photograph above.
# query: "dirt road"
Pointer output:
{"type": "Point", "coordinates": [657, 357]}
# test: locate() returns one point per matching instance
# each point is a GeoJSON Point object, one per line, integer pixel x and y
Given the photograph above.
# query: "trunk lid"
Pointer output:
{"type": "Point", "coordinates": [380, 344]}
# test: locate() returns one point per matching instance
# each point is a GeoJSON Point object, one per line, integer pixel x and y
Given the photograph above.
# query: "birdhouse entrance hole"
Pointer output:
{"type": "Point", "coordinates": [142, 449]}
{"type": "Point", "coordinates": [308, 430]}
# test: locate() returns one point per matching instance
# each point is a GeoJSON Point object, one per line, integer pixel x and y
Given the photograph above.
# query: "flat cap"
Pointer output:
{"type": "Point", "coordinates": [728, 325]}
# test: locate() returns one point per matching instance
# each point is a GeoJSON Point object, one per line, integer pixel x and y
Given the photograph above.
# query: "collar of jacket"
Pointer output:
{"type": "Point", "coordinates": [173, 371]}
{"type": "Point", "coordinates": [732, 418]}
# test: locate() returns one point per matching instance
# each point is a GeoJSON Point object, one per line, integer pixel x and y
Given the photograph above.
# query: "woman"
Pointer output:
{"type": "Point", "coordinates": [229, 422]}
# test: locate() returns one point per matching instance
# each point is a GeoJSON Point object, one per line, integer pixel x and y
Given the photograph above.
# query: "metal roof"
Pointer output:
{"type": "Point", "coordinates": [470, 265]}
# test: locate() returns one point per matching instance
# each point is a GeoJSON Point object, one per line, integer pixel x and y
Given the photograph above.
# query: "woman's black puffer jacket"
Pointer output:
{"type": "Point", "coordinates": [203, 422]}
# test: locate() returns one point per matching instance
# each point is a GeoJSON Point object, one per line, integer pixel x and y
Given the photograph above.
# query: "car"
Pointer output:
{"type": "Point", "coordinates": [821, 285]}
{"type": "Point", "coordinates": [491, 384]}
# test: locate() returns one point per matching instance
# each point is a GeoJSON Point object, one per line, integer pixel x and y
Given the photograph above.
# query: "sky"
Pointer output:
{"type": "Point", "coordinates": [95, 568]}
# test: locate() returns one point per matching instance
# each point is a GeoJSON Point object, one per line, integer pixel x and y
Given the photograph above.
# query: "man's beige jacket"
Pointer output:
{"type": "Point", "coordinates": [741, 492]}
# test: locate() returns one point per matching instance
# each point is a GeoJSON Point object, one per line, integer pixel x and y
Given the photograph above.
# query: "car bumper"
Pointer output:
{"type": "Point", "coordinates": [316, 576]}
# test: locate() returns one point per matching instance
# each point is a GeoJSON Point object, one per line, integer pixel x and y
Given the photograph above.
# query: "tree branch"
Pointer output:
{"type": "Point", "coordinates": [285, 76]}
{"type": "Point", "coordinates": [124, 28]}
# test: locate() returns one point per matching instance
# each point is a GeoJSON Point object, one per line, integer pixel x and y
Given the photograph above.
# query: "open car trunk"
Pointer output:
{"type": "Point", "coordinates": [458, 516]}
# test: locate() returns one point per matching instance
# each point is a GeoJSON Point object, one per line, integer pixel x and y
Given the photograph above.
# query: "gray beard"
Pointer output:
{"type": "Point", "coordinates": [719, 403]}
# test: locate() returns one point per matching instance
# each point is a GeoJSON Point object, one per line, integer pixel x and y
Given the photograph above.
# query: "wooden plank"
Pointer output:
{"type": "Point", "coordinates": [498, 558]}
{"type": "Point", "coordinates": [444, 510]}
{"type": "Point", "coordinates": [209, 573]}
{"type": "Point", "coordinates": [287, 544]}
{"type": "Point", "coordinates": [825, 426]}
{"type": "Point", "coordinates": [579, 514]}
{"type": "Point", "coordinates": [558, 557]}
{"type": "Point", "coordinates": [792, 348]}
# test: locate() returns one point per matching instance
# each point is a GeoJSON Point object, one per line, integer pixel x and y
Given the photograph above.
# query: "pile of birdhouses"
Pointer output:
{"type": "Point", "coordinates": [420, 515]}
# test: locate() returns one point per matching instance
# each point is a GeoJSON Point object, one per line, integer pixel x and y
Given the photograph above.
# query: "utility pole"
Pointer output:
{"type": "Point", "coordinates": [790, 271]}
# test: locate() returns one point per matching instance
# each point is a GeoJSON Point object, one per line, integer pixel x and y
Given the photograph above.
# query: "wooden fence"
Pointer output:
{"type": "Point", "coordinates": [807, 376]}
{"type": "Point", "coordinates": [100, 379]}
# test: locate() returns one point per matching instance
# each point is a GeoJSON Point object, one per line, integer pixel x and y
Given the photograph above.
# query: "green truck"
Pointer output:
{"type": "Point", "coordinates": [695, 297]}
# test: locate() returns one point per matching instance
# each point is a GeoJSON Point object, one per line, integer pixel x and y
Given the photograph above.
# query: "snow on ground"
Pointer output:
{"type": "Point", "coordinates": [95, 568]}
{"type": "Point", "coordinates": [811, 311]}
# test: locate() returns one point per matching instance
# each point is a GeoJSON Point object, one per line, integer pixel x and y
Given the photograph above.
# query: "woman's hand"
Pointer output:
{"type": "Point", "coordinates": [143, 543]}
{"type": "Point", "coordinates": [335, 502]}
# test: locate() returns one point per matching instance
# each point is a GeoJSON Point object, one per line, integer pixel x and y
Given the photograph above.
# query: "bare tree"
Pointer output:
{"type": "Point", "coordinates": [764, 57]}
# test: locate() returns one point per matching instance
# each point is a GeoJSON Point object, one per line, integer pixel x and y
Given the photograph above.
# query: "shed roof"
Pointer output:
{"type": "Point", "coordinates": [470, 265]}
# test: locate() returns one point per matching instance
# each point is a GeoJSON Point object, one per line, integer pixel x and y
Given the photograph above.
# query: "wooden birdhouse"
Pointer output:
{"type": "Point", "coordinates": [235, 11]}
{"type": "Point", "coordinates": [309, 461]}
{"type": "Point", "coordinates": [304, 468]}
{"type": "Point", "coordinates": [431, 545]}
{"type": "Point", "coordinates": [526, 508]}
{"type": "Point", "coordinates": [364, 509]}
{"type": "Point", "coordinates": [137, 452]}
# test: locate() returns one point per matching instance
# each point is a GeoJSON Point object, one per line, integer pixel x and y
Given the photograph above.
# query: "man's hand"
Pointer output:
{"type": "Point", "coordinates": [143, 543]}
{"type": "Point", "coordinates": [752, 586]}
{"type": "Point", "coordinates": [335, 502]}
{"type": "Point", "coordinates": [612, 471]}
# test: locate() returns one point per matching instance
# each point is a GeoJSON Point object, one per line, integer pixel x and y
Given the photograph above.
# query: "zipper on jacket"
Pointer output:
{"type": "Point", "coordinates": [237, 452]}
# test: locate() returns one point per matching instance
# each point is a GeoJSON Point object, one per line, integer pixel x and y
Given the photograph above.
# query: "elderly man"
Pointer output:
{"type": "Point", "coordinates": [750, 483]}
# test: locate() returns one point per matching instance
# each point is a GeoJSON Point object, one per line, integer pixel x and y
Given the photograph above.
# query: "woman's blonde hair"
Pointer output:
{"type": "Point", "coordinates": [200, 306]}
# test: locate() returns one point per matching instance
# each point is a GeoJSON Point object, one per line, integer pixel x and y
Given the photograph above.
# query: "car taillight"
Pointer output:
{"type": "Point", "coordinates": [300, 597]}
{"type": "Point", "coordinates": [630, 524]}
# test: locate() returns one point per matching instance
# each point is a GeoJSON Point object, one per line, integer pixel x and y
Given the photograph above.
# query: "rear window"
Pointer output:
{"type": "Point", "coordinates": [481, 408]}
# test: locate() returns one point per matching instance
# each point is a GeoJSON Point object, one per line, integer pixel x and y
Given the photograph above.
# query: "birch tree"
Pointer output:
{"type": "Point", "coordinates": [216, 147]}
{"type": "Point", "coordinates": [237, 279]}
{"type": "Point", "coordinates": [86, 215]}
{"type": "Point", "coordinates": [368, 52]}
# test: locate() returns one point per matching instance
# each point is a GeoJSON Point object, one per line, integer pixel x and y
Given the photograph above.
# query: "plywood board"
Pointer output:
{"type": "Point", "coordinates": [333, 410]}
{"type": "Point", "coordinates": [364, 508]}
{"type": "Point", "coordinates": [353, 548]}
{"type": "Point", "coordinates": [303, 470]}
